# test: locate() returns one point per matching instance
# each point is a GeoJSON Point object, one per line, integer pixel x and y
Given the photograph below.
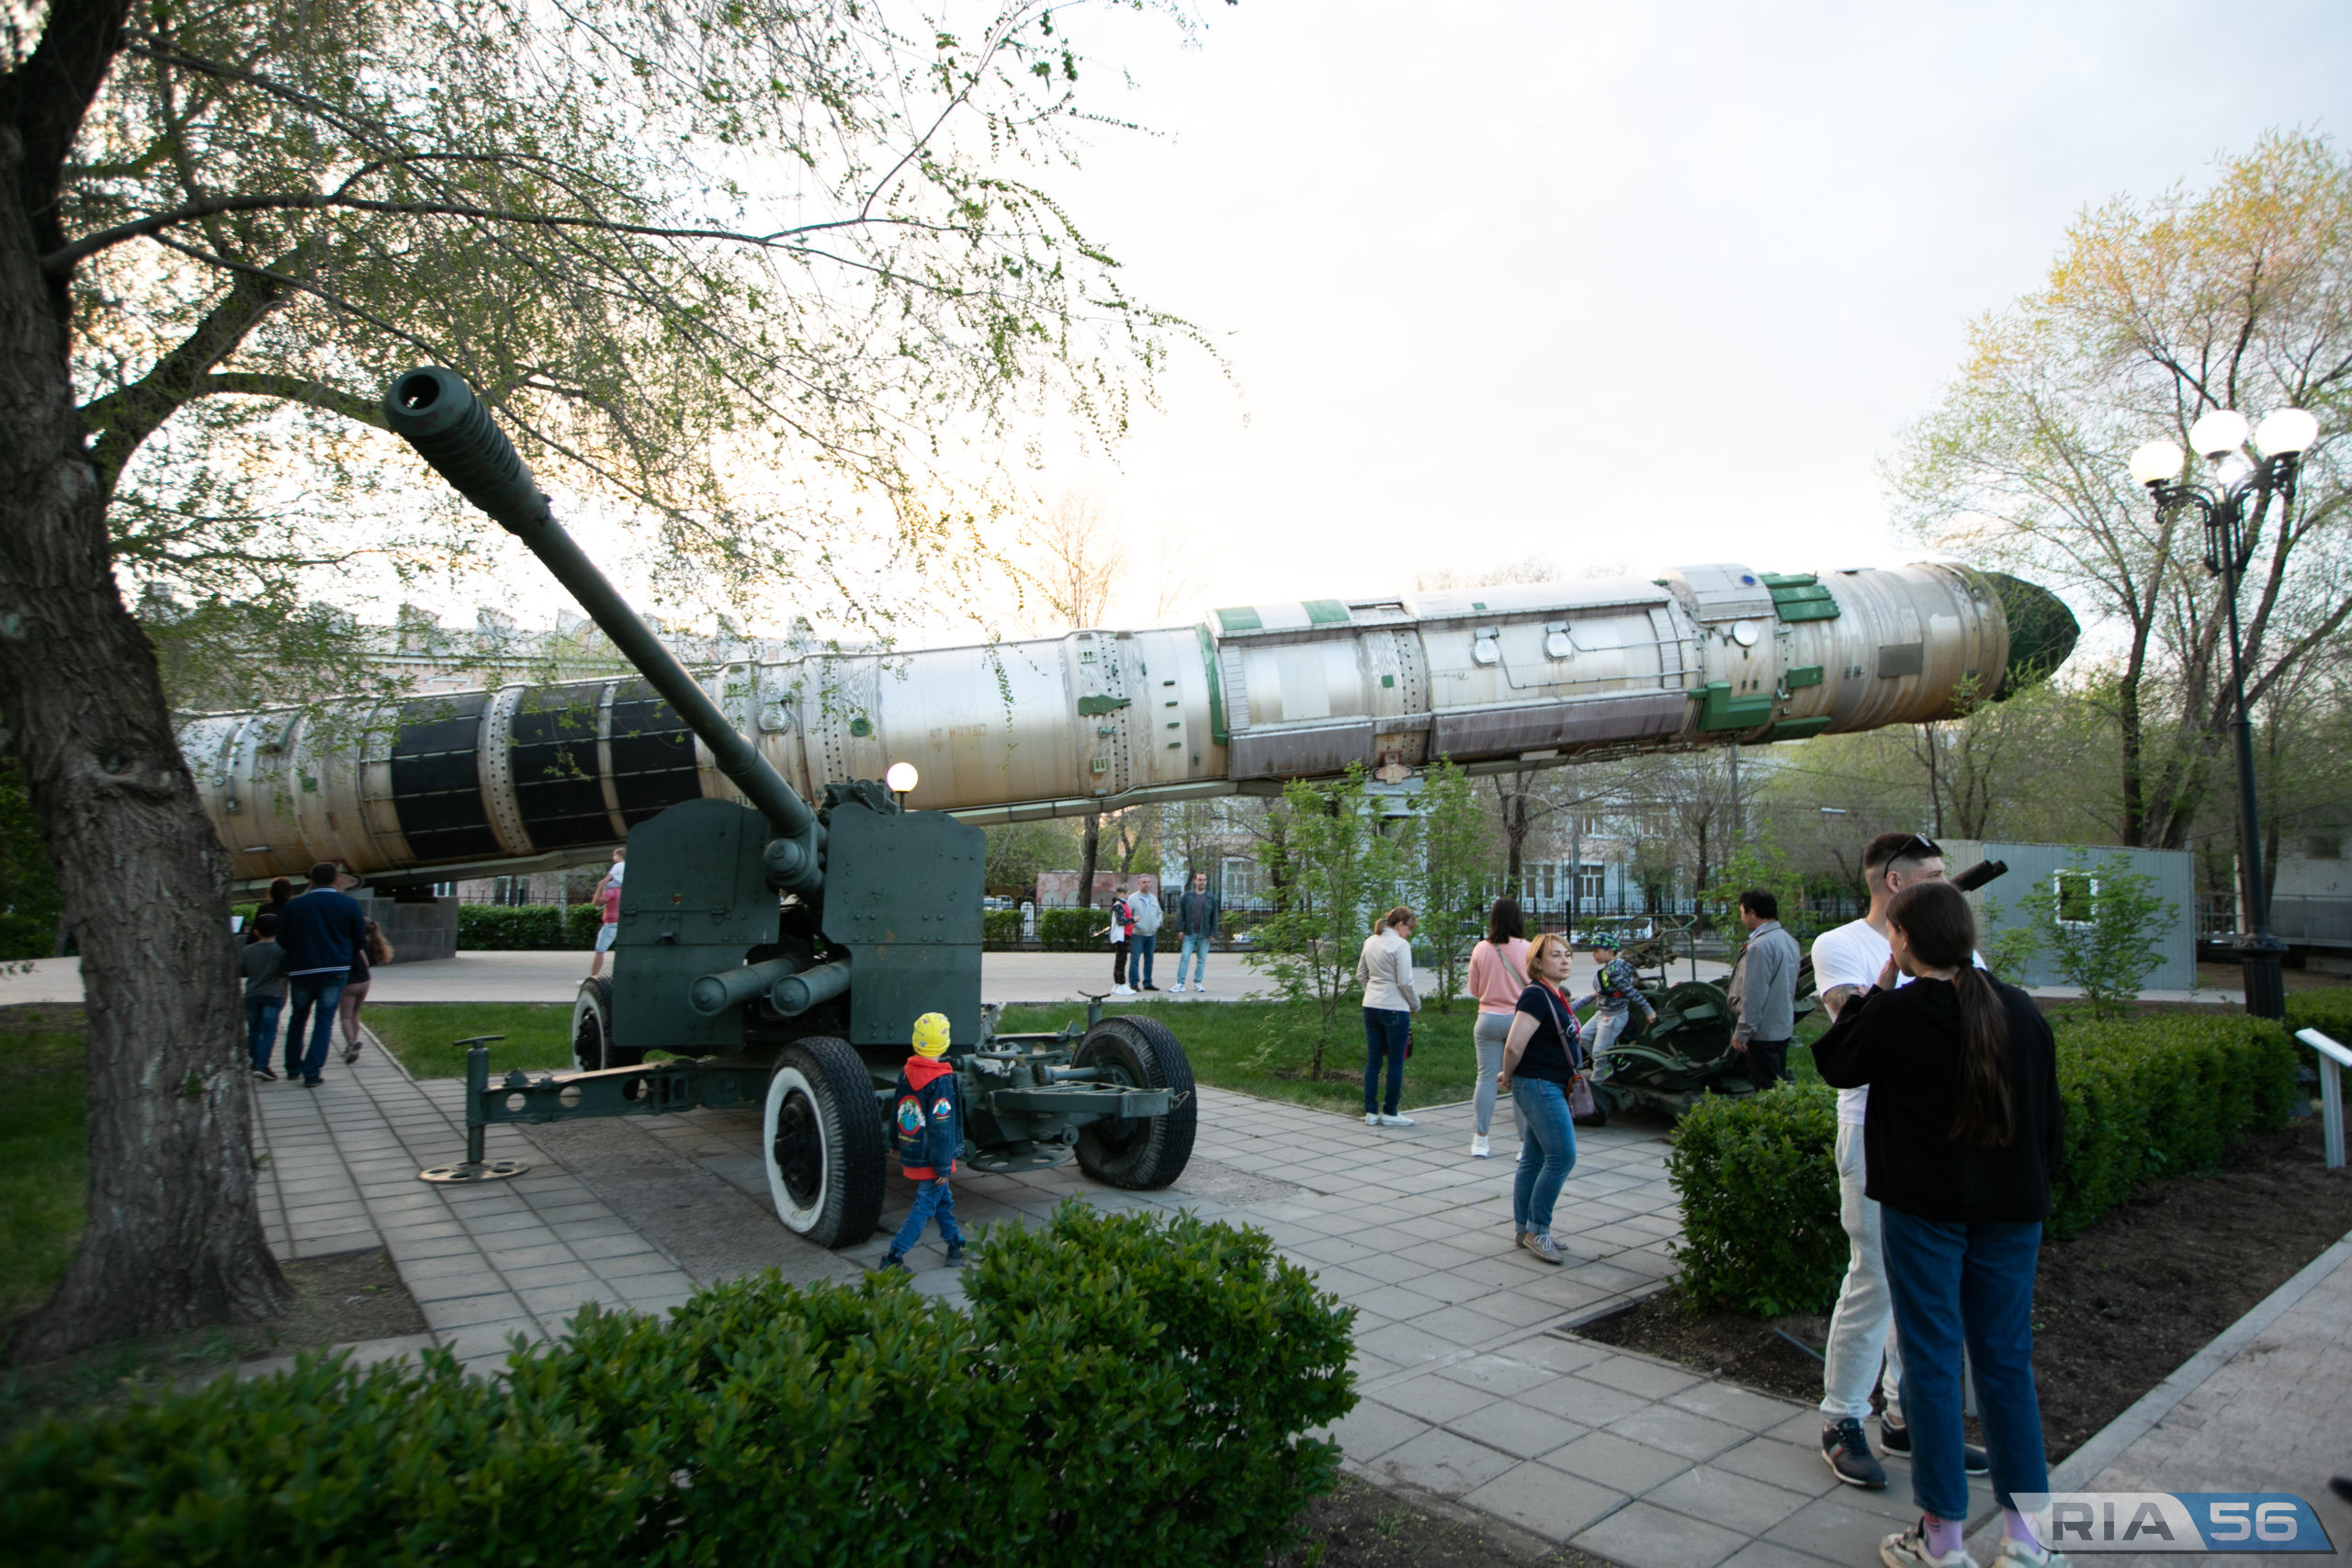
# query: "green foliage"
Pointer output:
{"type": "Point", "coordinates": [1459, 863]}
{"type": "Point", "coordinates": [1074, 931]}
{"type": "Point", "coordinates": [2101, 928]}
{"type": "Point", "coordinates": [1335, 871]}
{"type": "Point", "coordinates": [2161, 1096]}
{"type": "Point", "coordinates": [1019, 851]}
{"type": "Point", "coordinates": [1123, 1387]}
{"type": "Point", "coordinates": [1000, 929]}
{"type": "Point", "coordinates": [2008, 948]}
{"type": "Point", "coordinates": [2329, 1011]}
{"type": "Point", "coordinates": [1758, 863]}
{"type": "Point", "coordinates": [30, 903]}
{"type": "Point", "coordinates": [1759, 1184]}
{"type": "Point", "coordinates": [2144, 1098]}
{"type": "Point", "coordinates": [527, 928]}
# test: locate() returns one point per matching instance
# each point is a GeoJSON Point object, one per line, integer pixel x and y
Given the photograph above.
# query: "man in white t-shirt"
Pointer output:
{"type": "Point", "coordinates": [1847, 961]}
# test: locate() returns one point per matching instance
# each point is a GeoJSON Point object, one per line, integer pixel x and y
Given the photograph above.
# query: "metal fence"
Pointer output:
{"type": "Point", "coordinates": [2303, 919]}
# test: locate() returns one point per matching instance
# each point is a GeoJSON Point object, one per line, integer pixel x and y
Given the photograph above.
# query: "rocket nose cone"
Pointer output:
{"type": "Point", "coordinates": [2042, 632]}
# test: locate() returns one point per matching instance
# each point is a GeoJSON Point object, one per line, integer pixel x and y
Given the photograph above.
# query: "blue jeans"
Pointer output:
{"type": "Point", "coordinates": [1192, 946]}
{"type": "Point", "coordinates": [936, 1196]}
{"type": "Point", "coordinates": [1952, 1282]}
{"type": "Point", "coordinates": [1385, 1031]}
{"type": "Point", "coordinates": [261, 1028]}
{"type": "Point", "coordinates": [1139, 949]}
{"type": "Point", "coordinates": [1549, 1155]}
{"type": "Point", "coordinates": [304, 992]}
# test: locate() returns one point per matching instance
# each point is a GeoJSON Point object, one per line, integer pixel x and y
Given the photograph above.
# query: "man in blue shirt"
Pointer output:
{"type": "Point", "coordinates": [319, 931]}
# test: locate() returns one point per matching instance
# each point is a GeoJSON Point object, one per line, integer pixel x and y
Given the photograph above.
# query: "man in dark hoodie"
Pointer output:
{"type": "Point", "coordinates": [927, 1111]}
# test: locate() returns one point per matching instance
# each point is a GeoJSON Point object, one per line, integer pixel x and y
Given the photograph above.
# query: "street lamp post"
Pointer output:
{"type": "Point", "coordinates": [2232, 509]}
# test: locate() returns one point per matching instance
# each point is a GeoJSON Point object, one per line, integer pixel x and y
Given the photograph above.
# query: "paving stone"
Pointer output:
{"type": "Point", "coordinates": [1767, 1554]}
{"type": "Point", "coordinates": [1642, 1535]}
{"type": "Point", "coordinates": [1593, 1403]}
{"type": "Point", "coordinates": [1847, 1526]}
{"type": "Point", "coordinates": [1432, 1398]}
{"type": "Point", "coordinates": [1736, 1502]}
{"type": "Point", "coordinates": [1677, 1431]}
{"type": "Point", "coordinates": [1553, 1506]}
{"type": "Point", "coordinates": [1519, 1429]}
{"type": "Point", "coordinates": [1373, 1428]}
{"type": "Point", "coordinates": [1620, 1463]}
{"type": "Point", "coordinates": [1442, 1462]}
{"type": "Point", "coordinates": [1726, 1401]}
{"type": "Point", "coordinates": [1637, 1374]}
{"type": "Point", "coordinates": [464, 1312]}
{"type": "Point", "coordinates": [1790, 1466]}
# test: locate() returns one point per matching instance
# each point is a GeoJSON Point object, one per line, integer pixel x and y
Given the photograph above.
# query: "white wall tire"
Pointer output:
{"type": "Point", "coordinates": [821, 1136]}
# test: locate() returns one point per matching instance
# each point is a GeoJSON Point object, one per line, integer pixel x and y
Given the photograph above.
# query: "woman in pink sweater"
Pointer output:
{"type": "Point", "coordinates": [1497, 975]}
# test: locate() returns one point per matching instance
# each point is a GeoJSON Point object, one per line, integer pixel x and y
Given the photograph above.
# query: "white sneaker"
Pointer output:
{"type": "Point", "coordinates": [1371, 1118]}
{"type": "Point", "coordinates": [1122, 990]}
{"type": "Point", "coordinates": [1396, 1120]}
{"type": "Point", "coordinates": [1479, 1149]}
{"type": "Point", "coordinates": [1540, 1244]}
{"type": "Point", "coordinates": [1908, 1549]}
{"type": "Point", "coordinates": [2021, 1554]}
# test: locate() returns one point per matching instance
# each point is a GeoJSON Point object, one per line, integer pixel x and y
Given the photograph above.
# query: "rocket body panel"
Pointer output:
{"type": "Point", "coordinates": [527, 777]}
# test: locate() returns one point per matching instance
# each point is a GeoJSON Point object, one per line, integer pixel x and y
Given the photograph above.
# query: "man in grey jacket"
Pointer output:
{"type": "Point", "coordinates": [1768, 990]}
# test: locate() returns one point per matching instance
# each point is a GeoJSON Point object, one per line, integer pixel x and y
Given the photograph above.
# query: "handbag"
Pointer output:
{"type": "Point", "coordinates": [1581, 1100]}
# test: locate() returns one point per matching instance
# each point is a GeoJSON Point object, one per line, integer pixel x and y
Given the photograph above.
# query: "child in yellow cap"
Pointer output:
{"type": "Point", "coordinates": [927, 1115]}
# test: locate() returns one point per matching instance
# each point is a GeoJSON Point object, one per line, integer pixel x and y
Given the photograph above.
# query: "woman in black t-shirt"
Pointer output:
{"type": "Point", "coordinates": [1541, 1058]}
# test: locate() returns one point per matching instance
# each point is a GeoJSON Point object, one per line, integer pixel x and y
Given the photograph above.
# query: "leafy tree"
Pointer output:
{"type": "Point", "coordinates": [1457, 868]}
{"type": "Point", "coordinates": [2238, 295]}
{"type": "Point", "coordinates": [1019, 851]}
{"type": "Point", "coordinates": [2099, 925]}
{"type": "Point", "coordinates": [744, 274]}
{"type": "Point", "coordinates": [1336, 872]}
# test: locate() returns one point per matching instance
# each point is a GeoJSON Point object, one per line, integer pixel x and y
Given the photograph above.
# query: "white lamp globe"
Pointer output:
{"type": "Point", "coordinates": [900, 778]}
{"type": "Point", "coordinates": [2157, 463]}
{"type": "Point", "coordinates": [2234, 469]}
{"type": "Point", "coordinates": [2223, 430]}
{"type": "Point", "coordinates": [2285, 430]}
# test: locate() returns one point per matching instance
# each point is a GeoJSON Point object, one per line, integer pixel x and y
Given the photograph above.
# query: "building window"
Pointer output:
{"type": "Point", "coordinates": [2323, 846]}
{"type": "Point", "coordinates": [1550, 872]}
{"type": "Point", "coordinates": [2077, 896]}
{"type": "Point", "coordinates": [1592, 884]}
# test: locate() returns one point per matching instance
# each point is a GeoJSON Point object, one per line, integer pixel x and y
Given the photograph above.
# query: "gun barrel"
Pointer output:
{"type": "Point", "coordinates": [438, 415]}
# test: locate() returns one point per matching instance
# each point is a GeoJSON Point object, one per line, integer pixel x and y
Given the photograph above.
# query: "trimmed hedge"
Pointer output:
{"type": "Point", "coordinates": [1757, 1178]}
{"type": "Point", "coordinates": [527, 928]}
{"type": "Point", "coordinates": [1122, 1388]}
{"type": "Point", "coordinates": [1000, 929]}
{"type": "Point", "coordinates": [1073, 930]}
{"type": "Point", "coordinates": [2329, 1011]}
{"type": "Point", "coordinates": [2161, 1095]}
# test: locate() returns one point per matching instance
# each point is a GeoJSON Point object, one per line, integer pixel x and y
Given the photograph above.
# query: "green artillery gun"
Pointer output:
{"type": "Point", "coordinates": [1671, 1065]}
{"type": "Point", "coordinates": [778, 955]}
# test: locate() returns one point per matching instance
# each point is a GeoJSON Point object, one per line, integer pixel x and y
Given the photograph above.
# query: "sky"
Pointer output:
{"type": "Point", "coordinates": [1611, 288]}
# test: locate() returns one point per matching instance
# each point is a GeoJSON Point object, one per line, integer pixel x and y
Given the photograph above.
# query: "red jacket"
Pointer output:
{"type": "Point", "coordinates": [928, 1123]}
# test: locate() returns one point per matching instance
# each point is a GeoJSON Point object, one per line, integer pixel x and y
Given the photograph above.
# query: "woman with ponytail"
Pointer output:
{"type": "Point", "coordinates": [1964, 1133]}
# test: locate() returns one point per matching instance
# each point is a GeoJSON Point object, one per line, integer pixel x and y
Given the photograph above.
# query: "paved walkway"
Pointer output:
{"type": "Point", "coordinates": [1471, 1386]}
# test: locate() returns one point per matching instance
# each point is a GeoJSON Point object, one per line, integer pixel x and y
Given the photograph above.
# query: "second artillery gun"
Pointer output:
{"type": "Point", "coordinates": [1686, 1055]}
{"type": "Point", "coordinates": [779, 954]}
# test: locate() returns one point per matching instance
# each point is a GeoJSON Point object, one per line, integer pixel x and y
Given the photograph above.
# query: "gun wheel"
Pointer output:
{"type": "Point", "coordinates": [823, 1144]}
{"type": "Point", "coordinates": [591, 1029]}
{"type": "Point", "coordinates": [1148, 1153]}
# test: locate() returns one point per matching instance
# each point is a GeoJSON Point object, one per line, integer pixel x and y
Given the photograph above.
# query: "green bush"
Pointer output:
{"type": "Point", "coordinates": [1073, 930]}
{"type": "Point", "coordinates": [2163, 1095]}
{"type": "Point", "coordinates": [2329, 1011]}
{"type": "Point", "coordinates": [527, 928]}
{"type": "Point", "coordinates": [1000, 929]}
{"type": "Point", "coordinates": [1123, 1387]}
{"type": "Point", "coordinates": [1758, 1178]}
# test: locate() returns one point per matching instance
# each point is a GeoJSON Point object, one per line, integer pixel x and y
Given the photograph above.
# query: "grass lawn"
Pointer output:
{"type": "Point", "coordinates": [1258, 1048]}
{"type": "Point", "coordinates": [44, 1173]}
{"type": "Point", "coordinates": [539, 1034]}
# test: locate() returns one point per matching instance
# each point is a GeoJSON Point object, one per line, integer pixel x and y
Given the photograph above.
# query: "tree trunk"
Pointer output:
{"type": "Point", "coordinates": [1086, 860]}
{"type": "Point", "coordinates": [174, 1238]}
{"type": "Point", "coordinates": [2127, 720]}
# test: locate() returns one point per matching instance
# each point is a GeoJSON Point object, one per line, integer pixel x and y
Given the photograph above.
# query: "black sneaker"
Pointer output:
{"type": "Point", "coordinates": [1850, 1460]}
{"type": "Point", "coordinates": [956, 1256]}
{"type": "Point", "coordinates": [1896, 1439]}
{"type": "Point", "coordinates": [264, 1074]}
{"type": "Point", "coordinates": [893, 1264]}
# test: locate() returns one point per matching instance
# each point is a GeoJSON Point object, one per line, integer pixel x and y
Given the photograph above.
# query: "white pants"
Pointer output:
{"type": "Point", "coordinates": [1606, 1026]}
{"type": "Point", "coordinates": [1861, 1326]}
